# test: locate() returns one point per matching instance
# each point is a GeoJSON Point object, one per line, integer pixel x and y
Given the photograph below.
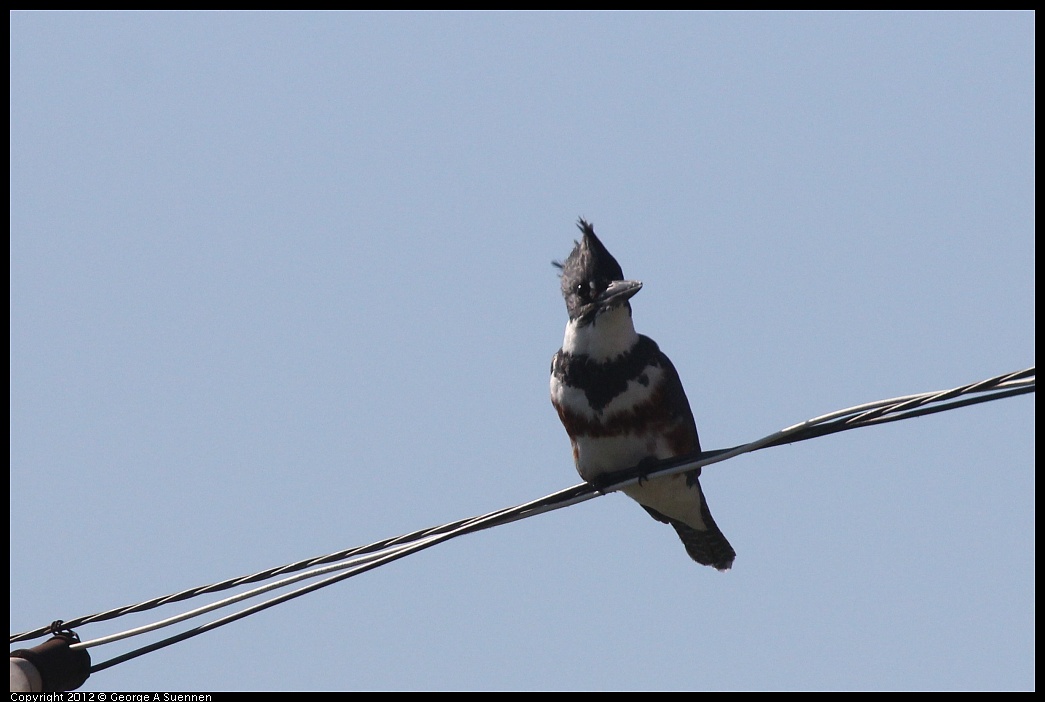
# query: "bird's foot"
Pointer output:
{"type": "Point", "coordinates": [602, 482]}
{"type": "Point", "coordinates": [645, 467]}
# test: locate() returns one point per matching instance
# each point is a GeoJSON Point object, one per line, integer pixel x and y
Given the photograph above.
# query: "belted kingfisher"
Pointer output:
{"type": "Point", "coordinates": [622, 402]}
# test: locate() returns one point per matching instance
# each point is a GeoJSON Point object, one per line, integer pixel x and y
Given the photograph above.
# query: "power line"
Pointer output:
{"type": "Point", "coordinates": [361, 559]}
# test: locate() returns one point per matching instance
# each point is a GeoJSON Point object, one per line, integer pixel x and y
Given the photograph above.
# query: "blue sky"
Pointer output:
{"type": "Point", "coordinates": [281, 285]}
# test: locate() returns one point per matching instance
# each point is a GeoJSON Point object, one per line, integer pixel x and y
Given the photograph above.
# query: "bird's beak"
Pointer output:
{"type": "Point", "coordinates": [618, 292]}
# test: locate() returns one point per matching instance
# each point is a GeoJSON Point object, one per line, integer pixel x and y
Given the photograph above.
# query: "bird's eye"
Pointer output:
{"type": "Point", "coordinates": [582, 290]}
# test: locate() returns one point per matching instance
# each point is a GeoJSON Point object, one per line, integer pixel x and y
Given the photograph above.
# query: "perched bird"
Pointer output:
{"type": "Point", "coordinates": [622, 402]}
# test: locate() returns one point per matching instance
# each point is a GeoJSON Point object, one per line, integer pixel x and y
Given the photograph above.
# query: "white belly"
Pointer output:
{"type": "Point", "coordinates": [596, 456]}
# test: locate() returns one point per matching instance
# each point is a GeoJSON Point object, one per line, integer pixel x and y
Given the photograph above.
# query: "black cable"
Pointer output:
{"type": "Point", "coordinates": [901, 409]}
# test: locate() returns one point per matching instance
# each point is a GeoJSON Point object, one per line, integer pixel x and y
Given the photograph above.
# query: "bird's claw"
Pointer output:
{"type": "Point", "coordinates": [644, 468]}
{"type": "Point", "coordinates": [601, 482]}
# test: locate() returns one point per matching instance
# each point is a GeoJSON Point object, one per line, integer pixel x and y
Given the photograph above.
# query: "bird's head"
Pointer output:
{"type": "Point", "coordinates": [592, 280]}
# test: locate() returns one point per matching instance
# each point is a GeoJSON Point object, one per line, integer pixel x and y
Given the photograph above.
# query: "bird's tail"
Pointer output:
{"type": "Point", "coordinates": [706, 546]}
